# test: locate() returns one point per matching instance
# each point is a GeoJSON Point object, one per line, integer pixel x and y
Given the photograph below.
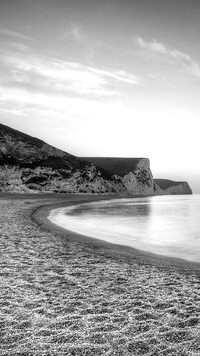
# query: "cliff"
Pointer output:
{"type": "Point", "coordinates": [166, 186]}
{"type": "Point", "coordinates": [137, 176]}
{"type": "Point", "coordinates": [17, 148]}
{"type": "Point", "coordinates": [28, 164]}
{"type": "Point", "coordinates": [133, 173]}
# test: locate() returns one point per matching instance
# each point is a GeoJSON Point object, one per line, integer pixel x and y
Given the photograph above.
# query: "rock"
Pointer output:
{"type": "Point", "coordinates": [134, 174]}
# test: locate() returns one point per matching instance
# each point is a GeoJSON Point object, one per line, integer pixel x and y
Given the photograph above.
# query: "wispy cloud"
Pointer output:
{"type": "Point", "coordinates": [53, 74]}
{"type": "Point", "coordinates": [76, 31]}
{"type": "Point", "coordinates": [73, 31]}
{"type": "Point", "coordinates": [15, 34]}
{"type": "Point", "coordinates": [153, 45]}
{"type": "Point", "coordinates": [174, 56]}
{"type": "Point", "coordinates": [121, 76]}
{"type": "Point", "coordinates": [56, 106]}
{"type": "Point", "coordinates": [189, 64]}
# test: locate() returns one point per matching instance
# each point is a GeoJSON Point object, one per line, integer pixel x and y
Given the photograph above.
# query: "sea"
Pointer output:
{"type": "Point", "coordinates": [164, 225]}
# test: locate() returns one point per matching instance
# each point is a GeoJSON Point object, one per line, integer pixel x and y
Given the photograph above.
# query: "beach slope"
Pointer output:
{"type": "Point", "coordinates": [63, 294]}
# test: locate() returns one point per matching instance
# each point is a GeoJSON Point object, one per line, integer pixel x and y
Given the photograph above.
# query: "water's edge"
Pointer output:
{"type": "Point", "coordinates": [80, 224]}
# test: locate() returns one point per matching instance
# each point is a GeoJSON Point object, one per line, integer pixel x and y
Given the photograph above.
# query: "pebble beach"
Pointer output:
{"type": "Point", "coordinates": [66, 294]}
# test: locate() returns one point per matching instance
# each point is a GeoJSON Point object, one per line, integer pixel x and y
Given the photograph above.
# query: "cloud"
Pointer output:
{"type": "Point", "coordinates": [20, 46]}
{"type": "Point", "coordinates": [14, 34]}
{"type": "Point", "coordinates": [152, 45]}
{"type": "Point", "coordinates": [186, 62]}
{"type": "Point", "coordinates": [121, 76]}
{"type": "Point", "coordinates": [73, 31]}
{"type": "Point", "coordinates": [76, 31]}
{"type": "Point", "coordinates": [174, 56]}
{"type": "Point", "coordinates": [57, 106]}
{"type": "Point", "coordinates": [45, 73]}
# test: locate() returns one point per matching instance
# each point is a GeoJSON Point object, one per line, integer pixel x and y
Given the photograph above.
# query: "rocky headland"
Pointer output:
{"type": "Point", "coordinates": [28, 164]}
{"type": "Point", "coordinates": [137, 178]}
{"type": "Point", "coordinates": [167, 186]}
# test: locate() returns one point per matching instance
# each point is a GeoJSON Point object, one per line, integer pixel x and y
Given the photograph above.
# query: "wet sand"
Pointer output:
{"type": "Point", "coordinates": [66, 294]}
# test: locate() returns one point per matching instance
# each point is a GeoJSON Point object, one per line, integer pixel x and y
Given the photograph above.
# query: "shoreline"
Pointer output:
{"type": "Point", "coordinates": [40, 216]}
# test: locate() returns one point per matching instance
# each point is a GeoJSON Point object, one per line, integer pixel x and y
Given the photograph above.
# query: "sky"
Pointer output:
{"type": "Point", "coordinates": [106, 78]}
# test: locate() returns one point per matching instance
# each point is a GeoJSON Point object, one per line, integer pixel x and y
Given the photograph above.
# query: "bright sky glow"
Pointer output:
{"type": "Point", "coordinates": [106, 78]}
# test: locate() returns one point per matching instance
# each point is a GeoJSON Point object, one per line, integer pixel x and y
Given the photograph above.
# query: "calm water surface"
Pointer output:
{"type": "Point", "coordinates": [166, 225]}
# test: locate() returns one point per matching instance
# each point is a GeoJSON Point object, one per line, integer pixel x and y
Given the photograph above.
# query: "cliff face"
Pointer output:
{"type": "Point", "coordinates": [134, 174]}
{"type": "Point", "coordinates": [169, 187]}
{"type": "Point", "coordinates": [140, 180]}
{"type": "Point", "coordinates": [117, 165]}
{"type": "Point", "coordinates": [28, 164]}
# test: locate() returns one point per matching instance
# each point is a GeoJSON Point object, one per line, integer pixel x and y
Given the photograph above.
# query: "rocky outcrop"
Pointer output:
{"type": "Point", "coordinates": [45, 179]}
{"type": "Point", "coordinates": [134, 173]}
{"type": "Point", "coordinates": [169, 187]}
{"type": "Point", "coordinates": [140, 181]}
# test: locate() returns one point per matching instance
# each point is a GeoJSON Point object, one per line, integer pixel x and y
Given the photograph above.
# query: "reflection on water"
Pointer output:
{"type": "Point", "coordinates": [167, 225]}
